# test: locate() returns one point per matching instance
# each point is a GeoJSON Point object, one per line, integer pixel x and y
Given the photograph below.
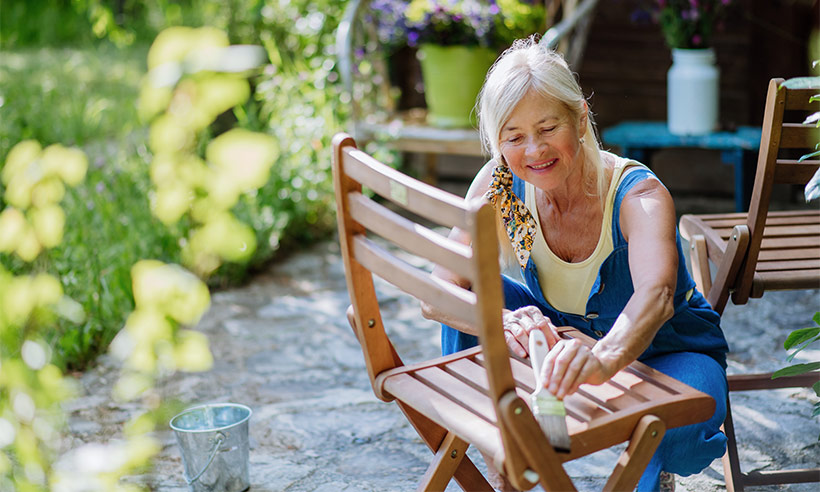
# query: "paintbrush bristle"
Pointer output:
{"type": "Point", "coordinates": [550, 414]}
{"type": "Point", "coordinates": [548, 410]}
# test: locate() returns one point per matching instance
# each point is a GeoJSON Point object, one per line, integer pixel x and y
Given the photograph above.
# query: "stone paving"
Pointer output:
{"type": "Point", "coordinates": [282, 346]}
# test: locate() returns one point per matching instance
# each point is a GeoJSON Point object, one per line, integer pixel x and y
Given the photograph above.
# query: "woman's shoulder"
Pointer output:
{"type": "Point", "coordinates": [619, 163]}
{"type": "Point", "coordinates": [483, 179]}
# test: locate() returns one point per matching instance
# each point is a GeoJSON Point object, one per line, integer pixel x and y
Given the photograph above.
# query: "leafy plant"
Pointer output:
{"type": "Point", "coordinates": [88, 97]}
{"type": "Point", "coordinates": [31, 387]}
{"type": "Point", "coordinates": [799, 340]}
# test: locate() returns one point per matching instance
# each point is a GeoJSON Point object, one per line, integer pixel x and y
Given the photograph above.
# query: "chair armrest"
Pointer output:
{"type": "Point", "coordinates": [344, 43]}
{"type": "Point", "coordinates": [559, 31]}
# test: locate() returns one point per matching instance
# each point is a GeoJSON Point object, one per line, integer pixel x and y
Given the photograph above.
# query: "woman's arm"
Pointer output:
{"type": "Point", "coordinates": [648, 224]}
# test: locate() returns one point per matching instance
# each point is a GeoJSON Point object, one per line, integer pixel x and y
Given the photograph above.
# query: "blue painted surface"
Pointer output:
{"type": "Point", "coordinates": [638, 139]}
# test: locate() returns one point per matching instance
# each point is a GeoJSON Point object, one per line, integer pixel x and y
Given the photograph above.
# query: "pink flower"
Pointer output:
{"type": "Point", "coordinates": [696, 39]}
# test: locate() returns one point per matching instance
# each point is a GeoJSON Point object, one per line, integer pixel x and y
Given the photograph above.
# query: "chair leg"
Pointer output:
{"type": "Point", "coordinates": [444, 464]}
{"type": "Point", "coordinates": [645, 440]}
{"type": "Point", "coordinates": [466, 474]}
{"type": "Point", "coordinates": [731, 461]}
{"type": "Point", "coordinates": [538, 452]}
{"type": "Point", "coordinates": [728, 268]}
{"type": "Point", "coordinates": [700, 264]}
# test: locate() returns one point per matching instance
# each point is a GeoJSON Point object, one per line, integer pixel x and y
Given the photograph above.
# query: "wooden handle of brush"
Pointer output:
{"type": "Point", "coordinates": [538, 351]}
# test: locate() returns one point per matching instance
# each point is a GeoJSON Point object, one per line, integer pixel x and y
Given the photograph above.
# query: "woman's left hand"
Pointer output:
{"type": "Point", "coordinates": [569, 364]}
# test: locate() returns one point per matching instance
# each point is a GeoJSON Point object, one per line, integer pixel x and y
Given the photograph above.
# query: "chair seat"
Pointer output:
{"type": "Point", "coordinates": [789, 253]}
{"type": "Point", "coordinates": [598, 417]}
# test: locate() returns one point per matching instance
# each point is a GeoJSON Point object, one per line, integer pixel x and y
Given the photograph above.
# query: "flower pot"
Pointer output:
{"type": "Point", "coordinates": [692, 92]}
{"type": "Point", "coordinates": [453, 76]}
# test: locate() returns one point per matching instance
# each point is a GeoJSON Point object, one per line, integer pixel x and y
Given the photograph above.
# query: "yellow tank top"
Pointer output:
{"type": "Point", "coordinates": [567, 285]}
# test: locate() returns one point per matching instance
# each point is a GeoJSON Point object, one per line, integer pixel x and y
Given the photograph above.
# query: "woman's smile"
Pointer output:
{"type": "Point", "coordinates": [543, 164]}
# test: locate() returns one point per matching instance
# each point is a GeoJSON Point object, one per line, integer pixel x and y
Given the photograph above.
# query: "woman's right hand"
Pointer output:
{"type": "Point", "coordinates": [519, 323]}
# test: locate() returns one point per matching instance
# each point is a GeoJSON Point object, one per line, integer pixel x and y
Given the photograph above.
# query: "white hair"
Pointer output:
{"type": "Point", "coordinates": [529, 65]}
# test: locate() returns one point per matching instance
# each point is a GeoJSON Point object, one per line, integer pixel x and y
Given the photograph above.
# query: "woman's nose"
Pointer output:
{"type": "Point", "coordinates": [534, 146]}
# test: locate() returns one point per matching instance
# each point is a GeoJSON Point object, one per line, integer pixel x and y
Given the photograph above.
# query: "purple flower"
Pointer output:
{"type": "Point", "coordinates": [696, 40]}
{"type": "Point", "coordinates": [412, 38]}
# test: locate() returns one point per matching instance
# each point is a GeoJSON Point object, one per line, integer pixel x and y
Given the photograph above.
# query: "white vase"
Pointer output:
{"type": "Point", "coordinates": [692, 92]}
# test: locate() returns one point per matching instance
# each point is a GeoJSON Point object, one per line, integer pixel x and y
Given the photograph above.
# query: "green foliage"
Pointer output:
{"type": "Point", "coordinates": [39, 22]}
{"type": "Point", "coordinates": [67, 95]}
{"type": "Point", "coordinates": [88, 97]}
{"type": "Point", "coordinates": [31, 388]}
{"type": "Point", "coordinates": [799, 340]}
{"type": "Point", "coordinates": [111, 229]}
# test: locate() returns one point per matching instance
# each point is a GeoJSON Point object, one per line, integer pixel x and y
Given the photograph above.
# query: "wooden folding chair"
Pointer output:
{"type": "Point", "coordinates": [763, 250]}
{"type": "Point", "coordinates": [479, 396]}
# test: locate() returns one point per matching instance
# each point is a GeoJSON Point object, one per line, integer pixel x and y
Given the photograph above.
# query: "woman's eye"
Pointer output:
{"type": "Point", "coordinates": [548, 130]}
{"type": "Point", "coordinates": [514, 140]}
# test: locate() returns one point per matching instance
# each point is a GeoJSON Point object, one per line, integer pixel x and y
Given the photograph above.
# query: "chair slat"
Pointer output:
{"type": "Point", "coordinates": [809, 217]}
{"type": "Point", "coordinates": [805, 279]}
{"type": "Point", "coordinates": [609, 396]}
{"type": "Point", "coordinates": [790, 171]}
{"type": "Point", "coordinates": [411, 236]}
{"type": "Point", "coordinates": [773, 232]}
{"type": "Point", "coordinates": [443, 411]}
{"type": "Point", "coordinates": [453, 388]}
{"type": "Point", "coordinates": [791, 253]}
{"type": "Point", "coordinates": [798, 99]}
{"type": "Point", "coordinates": [469, 372]}
{"type": "Point", "coordinates": [797, 136]}
{"type": "Point", "coordinates": [785, 265]}
{"type": "Point", "coordinates": [790, 242]}
{"type": "Point", "coordinates": [445, 296]}
{"type": "Point", "coordinates": [445, 209]}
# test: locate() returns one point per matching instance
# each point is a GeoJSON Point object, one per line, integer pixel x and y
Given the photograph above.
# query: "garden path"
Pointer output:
{"type": "Point", "coordinates": [282, 346]}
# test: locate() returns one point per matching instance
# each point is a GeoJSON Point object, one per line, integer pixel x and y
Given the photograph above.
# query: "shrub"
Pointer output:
{"type": "Point", "coordinates": [88, 97]}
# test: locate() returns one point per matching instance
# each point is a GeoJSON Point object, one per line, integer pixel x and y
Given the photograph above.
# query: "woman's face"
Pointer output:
{"type": "Point", "coordinates": [540, 142]}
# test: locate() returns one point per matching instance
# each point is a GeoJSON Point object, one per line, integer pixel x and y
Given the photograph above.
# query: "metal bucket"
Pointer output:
{"type": "Point", "coordinates": [214, 443]}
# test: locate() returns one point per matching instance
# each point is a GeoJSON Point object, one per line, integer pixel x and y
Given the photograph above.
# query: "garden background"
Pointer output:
{"type": "Point", "coordinates": [73, 75]}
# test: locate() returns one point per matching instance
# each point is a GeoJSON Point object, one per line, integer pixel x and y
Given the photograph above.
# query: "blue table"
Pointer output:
{"type": "Point", "coordinates": [638, 139]}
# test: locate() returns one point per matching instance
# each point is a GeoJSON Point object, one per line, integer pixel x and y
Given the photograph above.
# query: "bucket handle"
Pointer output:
{"type": "Point", "coordinates": [219, 440]}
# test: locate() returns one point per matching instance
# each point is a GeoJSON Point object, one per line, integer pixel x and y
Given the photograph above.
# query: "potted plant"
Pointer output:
{"type": "Point", "coordinates": [693, 80]}
{"type": "Point", "coordinates": [457, 41]}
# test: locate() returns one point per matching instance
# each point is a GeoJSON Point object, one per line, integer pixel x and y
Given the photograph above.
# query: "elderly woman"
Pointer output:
{"type": "Point", "coordinates": [595, 238]}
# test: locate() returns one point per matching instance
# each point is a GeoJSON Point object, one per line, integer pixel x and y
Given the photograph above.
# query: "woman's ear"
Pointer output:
{"type": "Point", "coordinates": [582, 123]}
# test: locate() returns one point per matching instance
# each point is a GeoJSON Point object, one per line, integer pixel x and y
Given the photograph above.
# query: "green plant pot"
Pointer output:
{"type": "Point", "coordinates": [453, 76]}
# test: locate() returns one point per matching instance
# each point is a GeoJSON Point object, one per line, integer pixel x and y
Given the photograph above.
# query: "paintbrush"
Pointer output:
{"type": "Point", "coordinates": [548, 410]}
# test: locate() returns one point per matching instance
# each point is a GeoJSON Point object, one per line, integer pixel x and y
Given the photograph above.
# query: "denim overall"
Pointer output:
{"type": "Point", "coordinates": [689, 347]}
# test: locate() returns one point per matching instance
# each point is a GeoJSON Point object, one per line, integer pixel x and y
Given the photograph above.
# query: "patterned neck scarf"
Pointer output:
{"type": "Point", "coordinates": [517, 219]}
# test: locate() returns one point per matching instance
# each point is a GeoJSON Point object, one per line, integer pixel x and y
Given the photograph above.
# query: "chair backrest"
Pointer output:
{"type": "Point", "coordinates": [361, 219]}
{"type": "Point", "coordinates": [784, 137]}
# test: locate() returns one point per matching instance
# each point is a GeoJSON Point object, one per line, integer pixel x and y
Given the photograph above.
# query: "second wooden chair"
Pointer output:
{"type": "Point", "coordinates": [763, 250]}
